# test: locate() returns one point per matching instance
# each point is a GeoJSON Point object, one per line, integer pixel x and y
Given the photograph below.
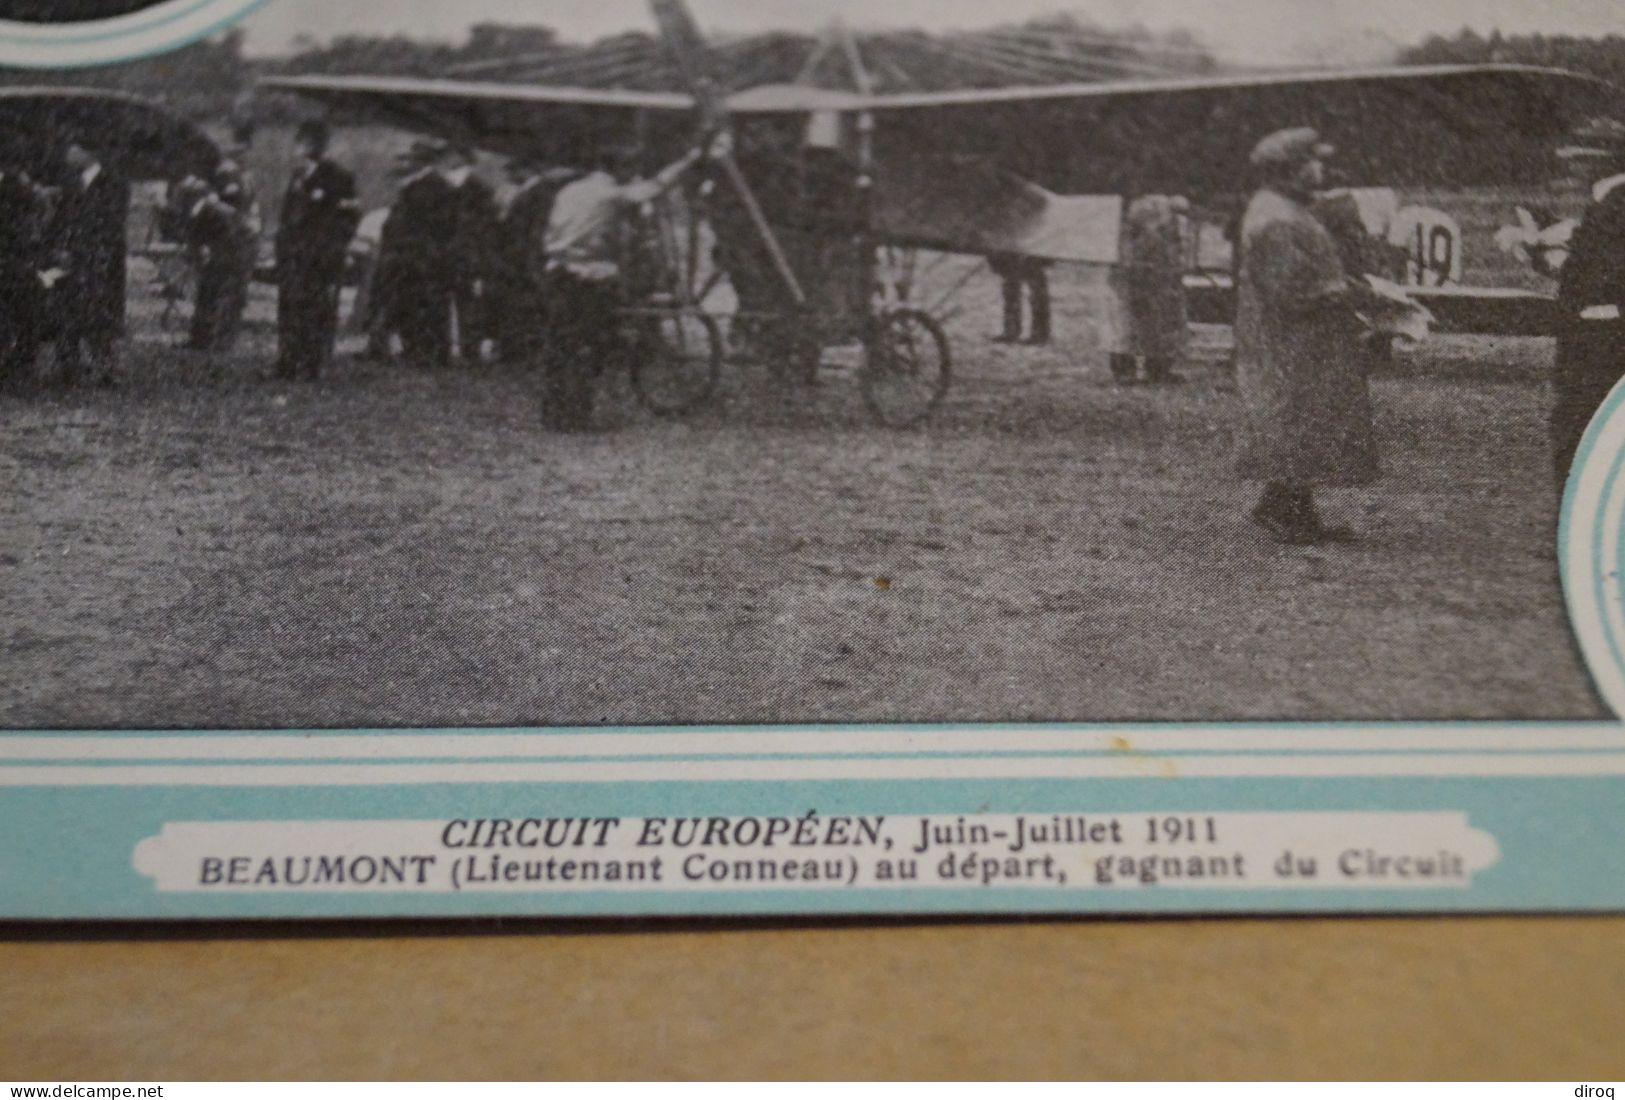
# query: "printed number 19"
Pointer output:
{"type": "Point", "coordinates": [1434, 255]}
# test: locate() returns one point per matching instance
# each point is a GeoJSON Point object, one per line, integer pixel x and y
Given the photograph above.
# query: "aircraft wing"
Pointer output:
{"type": "Point", "coordinates": [1455, 125]}
{"type": "Point", "coordinates": [504, 118]}
{"type": "Point", "coordinates": [1451, 126]}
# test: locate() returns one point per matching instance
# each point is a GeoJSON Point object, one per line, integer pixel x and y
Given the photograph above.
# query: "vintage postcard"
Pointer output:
{"type": "Point", "coordinates": [716, 458]}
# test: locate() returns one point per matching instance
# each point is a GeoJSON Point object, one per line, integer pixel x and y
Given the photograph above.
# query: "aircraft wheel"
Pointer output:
{"type": "Point", "coordinates": [677, 361]}
{"type": "Point", "coordinates": [909, 368]}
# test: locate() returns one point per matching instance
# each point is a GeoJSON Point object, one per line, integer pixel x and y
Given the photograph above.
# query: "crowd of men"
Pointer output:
{"type": "Point", "coordinates": [456, 276]}
{"type": "Point", "coordinates": [435, 282]}
{"type": "Point", "coordinates": [62, 265]}
{"type": "Point", "coordinates": [64, 249]}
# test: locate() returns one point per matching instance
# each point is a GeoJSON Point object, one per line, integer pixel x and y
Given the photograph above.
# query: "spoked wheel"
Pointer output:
{"type": "Point", "coordinates": [909, 368]}
{"type": "Point", "coordinates": [677, 361]}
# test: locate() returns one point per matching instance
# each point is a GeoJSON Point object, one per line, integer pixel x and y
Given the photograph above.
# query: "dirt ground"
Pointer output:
{"type": "Point", "coordinates": [391, 548]}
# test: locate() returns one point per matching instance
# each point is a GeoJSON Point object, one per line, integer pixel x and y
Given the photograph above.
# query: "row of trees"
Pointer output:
{"type": "Point", "coordinates": [1602, 57]}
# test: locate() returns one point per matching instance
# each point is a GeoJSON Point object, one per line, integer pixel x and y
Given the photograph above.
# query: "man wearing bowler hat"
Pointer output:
{"type": "Point", "coordinates": [89, 237]}
{"type": "Point", "coordinates": [320, 213]}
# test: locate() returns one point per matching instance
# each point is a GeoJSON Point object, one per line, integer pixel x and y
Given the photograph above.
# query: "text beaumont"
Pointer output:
{"type": "Point", "coordinates": [284, 871]}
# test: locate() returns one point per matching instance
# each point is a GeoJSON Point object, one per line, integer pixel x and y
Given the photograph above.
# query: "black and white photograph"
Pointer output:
{"type": "Point", "coordinates": [799, 539]}
{"type": "Point", "coordinates": [512, 364]}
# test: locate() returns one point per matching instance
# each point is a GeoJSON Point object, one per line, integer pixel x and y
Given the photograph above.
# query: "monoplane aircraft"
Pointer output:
{"type": "Point", "coordinates": [1037, 170]}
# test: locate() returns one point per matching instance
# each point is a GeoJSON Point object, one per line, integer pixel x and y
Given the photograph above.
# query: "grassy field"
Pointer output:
{"type": "Point", "coordinates": [201, 547]}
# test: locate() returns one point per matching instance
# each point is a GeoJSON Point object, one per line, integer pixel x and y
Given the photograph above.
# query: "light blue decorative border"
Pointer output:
{"type": "Point", "coordinates": [1554, 813]}
{"type": "Point", "coordinates": [1593, 508]}
{"type": "Point", "coordinates": [167, 26]}
{"type": "Point", "coordinates": [1558, 840]}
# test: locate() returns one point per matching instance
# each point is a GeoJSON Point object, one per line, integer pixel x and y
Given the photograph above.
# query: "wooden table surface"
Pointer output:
{"type": "Point", "coordinates": [1382, 998]}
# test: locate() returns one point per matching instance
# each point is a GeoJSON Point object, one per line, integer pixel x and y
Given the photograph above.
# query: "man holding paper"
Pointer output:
{"type": "Point", "coordinates": [1299, 324]}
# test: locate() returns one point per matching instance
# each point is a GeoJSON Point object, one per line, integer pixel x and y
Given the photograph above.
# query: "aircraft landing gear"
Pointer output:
{"type": "Point", "coordinates": [907, 369]}
{"type": "Point", "coordinates": [676, 359]}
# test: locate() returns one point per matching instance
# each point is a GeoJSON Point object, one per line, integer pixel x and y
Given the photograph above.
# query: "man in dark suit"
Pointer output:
{"type": "Point", "coordinates": [1023, 276]}
{"type": "Point", "coordinates": [473, 249]}
{"type": "Point", "coordinates": [88, 241]}
{"type": "Point", "coordinates": [412, 260]}
{"type": "Point", "coordinates": [22, 302]}
{"type": "Point", "coordinates": [320, 213]}
{"type": "Point", "coordinates": [220, 233]}
{"type": "Point", "coordinates": [516, 307]}
{"type": "Point", "coordinates": [1591, 297]}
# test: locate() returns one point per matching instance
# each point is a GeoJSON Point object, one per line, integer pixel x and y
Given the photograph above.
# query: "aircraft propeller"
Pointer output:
{"type": "Point", "coordinates": [693, 60]}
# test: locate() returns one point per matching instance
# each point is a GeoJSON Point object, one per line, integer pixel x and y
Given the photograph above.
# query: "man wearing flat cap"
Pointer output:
{"type": "Point", "coordinates": [1299, 367]}
{"type": "Point", "coordinates": [1591, 294]}
{"type": "Point", "coordinates": [320, 213]}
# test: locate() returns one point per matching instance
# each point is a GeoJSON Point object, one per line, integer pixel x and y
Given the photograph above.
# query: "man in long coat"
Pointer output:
{"type": "Point", "coordinates": [89, 238]}
{"type": "Point", "coordinates": [413, 265]}
{"type": "Point", "coordinates": [320, 213]}
{"type": "Point", "coordinates": [22, 301]}
{"type": "Point", "coordinates": [1591, 299]}
{"type": "Point", "coordinates": [1149, 319]}
{"type": "Point", "coordinates": [520, 269]}
{"type": "Point", "coordinates": [222, 234]}
{"type": "Point", "coordinates": [473, 250]}
{"type": "Point", "coordinates": [1299, 367]}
